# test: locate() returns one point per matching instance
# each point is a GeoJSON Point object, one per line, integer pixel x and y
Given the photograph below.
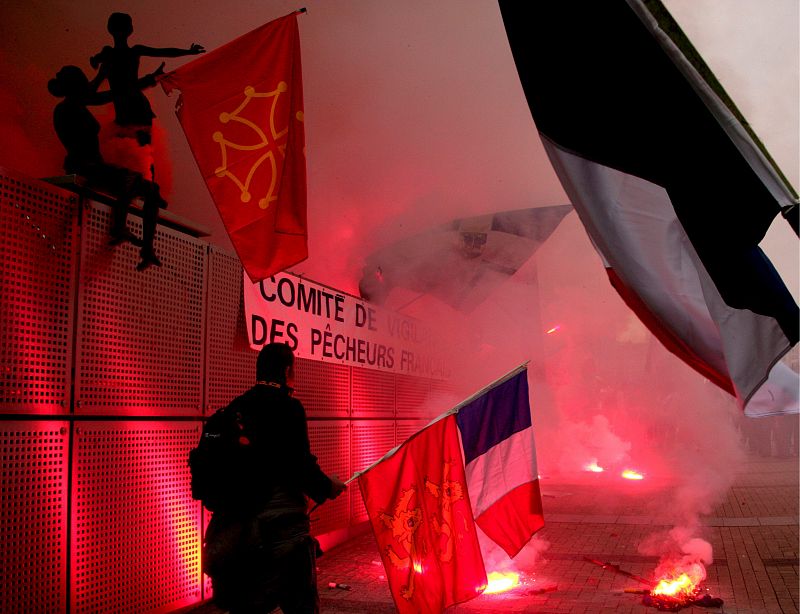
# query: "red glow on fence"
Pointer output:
{"type": "Point", "coordinates": [500, 582]}
{"type": "Point", "coordinates": [630, 474]}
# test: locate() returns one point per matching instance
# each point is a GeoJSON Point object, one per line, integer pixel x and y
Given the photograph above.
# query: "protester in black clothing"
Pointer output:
{"type": "Point", "coordinates": [78, 131]}
{"type": "Point", "coordinates": [270, 557]}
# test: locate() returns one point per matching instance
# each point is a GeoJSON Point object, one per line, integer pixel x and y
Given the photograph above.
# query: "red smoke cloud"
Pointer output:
{"type": "Point", "coordinates": [125, 151]}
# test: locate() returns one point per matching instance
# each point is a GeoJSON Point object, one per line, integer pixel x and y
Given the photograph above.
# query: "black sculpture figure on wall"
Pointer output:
{"type": "Point", "coordinates": [120, 65]}
{"type": "Point", "coordinates": [78, 130]}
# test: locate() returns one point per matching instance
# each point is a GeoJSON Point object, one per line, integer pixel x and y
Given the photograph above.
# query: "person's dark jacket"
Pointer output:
{"type": "Point", "coordinates": [284, 469]}
{"type": "Point", "coordinates": [251, 547]}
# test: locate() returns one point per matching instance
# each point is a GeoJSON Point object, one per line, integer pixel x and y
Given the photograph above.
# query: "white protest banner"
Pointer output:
{"type": "Point", "coordinates": [324, 324]}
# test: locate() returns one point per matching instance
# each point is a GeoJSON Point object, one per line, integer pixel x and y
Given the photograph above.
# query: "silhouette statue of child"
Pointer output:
{"type": "Point", "coordinates": [120, 65]}
{"type": "Point", "coordinates": [78, 130]}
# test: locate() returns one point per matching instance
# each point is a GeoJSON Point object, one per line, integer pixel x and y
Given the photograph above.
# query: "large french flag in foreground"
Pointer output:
{"type": "Point", "coordinates": [424, 498]}
{"type": "Point", "coordinates": [673, 191]}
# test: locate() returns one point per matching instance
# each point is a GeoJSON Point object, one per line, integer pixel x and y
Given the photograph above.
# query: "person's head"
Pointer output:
{"type": "Point", "coordinates": [120, 24]}
{"type": "Point", "coordinates": [69, 81]}
{"type": "Point", "coordinates": [275, 363]}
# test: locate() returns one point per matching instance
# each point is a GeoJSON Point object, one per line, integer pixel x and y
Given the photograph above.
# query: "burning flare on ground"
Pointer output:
{"type": "Point", "coordinates": [501, 581]}
{"type": "Point", "coordinates": [630, 474]}
{"type": "Point", "coordinates": [681, 585]}
{"type": "Point", "coordinates": [593, 466]}
{"type": "Point", "coordinates": [679, 588]}
{"type": "Point", "coordinates": [681, 582]}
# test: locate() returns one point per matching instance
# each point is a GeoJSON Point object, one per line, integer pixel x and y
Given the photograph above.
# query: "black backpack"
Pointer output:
{"type": "Point", "coordinates": [221, 465]}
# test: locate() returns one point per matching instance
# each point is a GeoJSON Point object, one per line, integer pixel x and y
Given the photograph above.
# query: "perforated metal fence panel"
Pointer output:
{"type": "Point", "coordinates": [208, 589]}
{"type": "Point", "coordinates": [443, 396]}
{"type": "Point", "coordinates": [135, 528]}
{"type": "Point", "coordinates": [370, 440]}
{"type": "Point", "coordinates": [96, 513]}
{"type": "Point", "coordinates": [323, 388]}
{"type": "Point", "coordinates": [33, 517]}
{"type": "Point", "coordinates": [38, 230]}
{"type": "Point", "coordinates": [406, 428]}
{"type": "Point", "coordinates": [140, 334]}
{"type": "Point", "coordinates": [373, 394]}
{"type": "Point", "coordinates": [412, 396]}
{"type": "Point", "coordinates": [230, 363]}
{"type": "Point", "coordinates": [330, 443]}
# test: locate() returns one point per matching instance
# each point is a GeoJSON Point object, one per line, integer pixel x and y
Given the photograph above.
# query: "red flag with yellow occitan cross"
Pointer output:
{"type": "Point", "coordinates": [241, 108]}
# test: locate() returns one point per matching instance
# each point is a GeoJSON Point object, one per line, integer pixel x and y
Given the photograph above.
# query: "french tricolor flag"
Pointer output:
{"type": "Point", "coordinates": [671, 187]}
{"type": "Point", "coordinates": [500, 462]}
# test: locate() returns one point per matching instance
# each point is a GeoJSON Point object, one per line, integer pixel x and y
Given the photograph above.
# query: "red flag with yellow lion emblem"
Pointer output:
{"type": "Point", "coordinates": [420, 511]}
{"type": "Point", "coordinates": [241, 108]}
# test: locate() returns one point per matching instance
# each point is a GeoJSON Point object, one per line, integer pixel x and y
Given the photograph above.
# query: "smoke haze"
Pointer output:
{"type": "Point", "coordinates": [414, 112]}
{"type": "Point", "coordinates": [415, 117]}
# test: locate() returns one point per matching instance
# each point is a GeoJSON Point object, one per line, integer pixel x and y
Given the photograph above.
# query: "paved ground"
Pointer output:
{"type": "Point", "coordinates": [754, 534]}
